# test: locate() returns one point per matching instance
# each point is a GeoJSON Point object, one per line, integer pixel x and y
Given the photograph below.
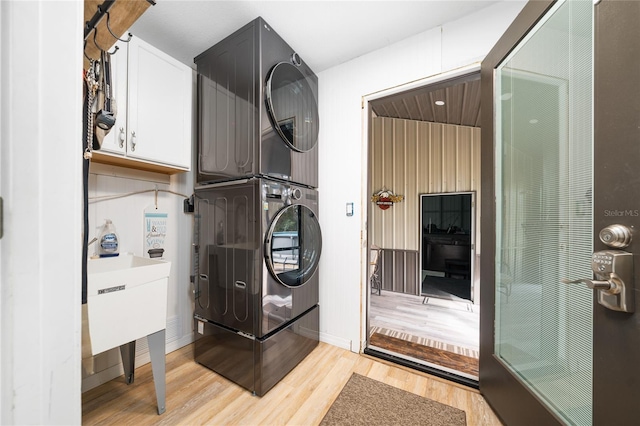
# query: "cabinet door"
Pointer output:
{"type": "Point", "coordinates": [159, 110]}
{"type": "Point", "coordinates": [115, 140]}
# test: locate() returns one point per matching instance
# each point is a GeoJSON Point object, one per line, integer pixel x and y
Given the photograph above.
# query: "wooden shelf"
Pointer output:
{"type": "Point", "coordinates": [122, 15]}
{"type": "Point", "coordinates": [117, 160]}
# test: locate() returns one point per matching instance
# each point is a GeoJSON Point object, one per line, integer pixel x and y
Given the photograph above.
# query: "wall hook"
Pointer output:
{"type": "Point", "coordinates": [95, 33]}
{"type": "Point", "coordinates": [111, 32]}
{"type": "Point", "coordinates": [84, 51]}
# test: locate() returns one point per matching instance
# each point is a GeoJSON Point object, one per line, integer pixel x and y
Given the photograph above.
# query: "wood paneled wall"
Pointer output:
{"type": "Point", "coordinates": [412, 158]}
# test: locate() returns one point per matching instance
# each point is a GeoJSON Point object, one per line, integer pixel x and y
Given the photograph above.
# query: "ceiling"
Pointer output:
{"type": "Point", "coordinates": [458, 102]}
{"type": "Point", "coordinates": [324, 34]}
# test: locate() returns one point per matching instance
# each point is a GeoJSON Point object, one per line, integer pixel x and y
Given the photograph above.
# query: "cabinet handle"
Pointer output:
{"type": "Point", "coordinates": [121, 137]}
{"type": "Point", "coordinates": [133, 141]}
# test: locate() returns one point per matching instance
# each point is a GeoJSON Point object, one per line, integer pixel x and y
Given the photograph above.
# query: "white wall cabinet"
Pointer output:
{"type": "Point", "coordinates": [153, 128]}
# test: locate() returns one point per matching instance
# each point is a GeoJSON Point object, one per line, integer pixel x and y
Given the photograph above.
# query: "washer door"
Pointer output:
{"type": "Point", "coordinates": [292, 107]}
{"type": "Point", "coordinates": [293, 246]}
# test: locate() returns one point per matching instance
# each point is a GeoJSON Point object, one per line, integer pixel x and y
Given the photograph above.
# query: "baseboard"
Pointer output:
{"type": "Point", "coordinates": [338, 341]}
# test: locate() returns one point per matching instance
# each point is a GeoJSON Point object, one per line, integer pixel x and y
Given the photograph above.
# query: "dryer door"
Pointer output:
{"type": "Point", "coordinates": [292, 107]}
{"type": "Point", "coordinates": [293, 246]}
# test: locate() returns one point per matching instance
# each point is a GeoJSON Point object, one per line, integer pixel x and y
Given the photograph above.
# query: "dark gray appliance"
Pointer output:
{"type": "Point", "coordinates": [258, 110]}
{"type": "Point", "coordinates": [256, 308]}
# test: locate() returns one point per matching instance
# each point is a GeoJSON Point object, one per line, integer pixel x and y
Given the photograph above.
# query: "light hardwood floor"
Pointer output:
{"type": "Point", "coordinates": [198, 396]}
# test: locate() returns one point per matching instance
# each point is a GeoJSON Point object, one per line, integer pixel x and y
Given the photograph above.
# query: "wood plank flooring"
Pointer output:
{"type": "Point", "coordinates": [198, 396]}
{"type": "Point", "coordinates": [428, 354]}
{"type": "Point", "coordinates": [450, 326]}
{"type": "Point", "coordinates": [453, 323]}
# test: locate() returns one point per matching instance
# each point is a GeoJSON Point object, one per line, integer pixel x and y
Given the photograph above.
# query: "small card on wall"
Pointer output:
{"type": "Point", "coordinates": [155, 232]}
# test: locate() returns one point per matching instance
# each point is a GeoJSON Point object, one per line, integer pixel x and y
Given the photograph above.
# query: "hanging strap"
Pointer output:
{"type": "Point", "coordinates": [87, 135]}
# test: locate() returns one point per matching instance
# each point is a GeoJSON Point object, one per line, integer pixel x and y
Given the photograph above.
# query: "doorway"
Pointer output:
{"type": "Point", "coordinates": [446, 235]}
{"type": "Point", "coordinates": [424, 145]}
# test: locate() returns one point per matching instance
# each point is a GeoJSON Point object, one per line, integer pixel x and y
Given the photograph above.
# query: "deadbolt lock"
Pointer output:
{"type": "Point", "coordinates": [616, 236]}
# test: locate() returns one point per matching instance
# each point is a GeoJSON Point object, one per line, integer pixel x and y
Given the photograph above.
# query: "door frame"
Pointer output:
{"type": "Point", "coordinates": [41, 176]}
{"type": "Point", "coordinates": [367, 112]}
{"type": "Point", "coordinates": [492, 379]}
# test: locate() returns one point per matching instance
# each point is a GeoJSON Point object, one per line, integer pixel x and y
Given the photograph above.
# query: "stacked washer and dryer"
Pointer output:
{"type": "Point", "coordinates": [256, 204]}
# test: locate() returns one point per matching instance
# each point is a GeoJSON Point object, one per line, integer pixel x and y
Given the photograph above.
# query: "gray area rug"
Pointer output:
{"type": "Point", "coordinates": [365, 401]}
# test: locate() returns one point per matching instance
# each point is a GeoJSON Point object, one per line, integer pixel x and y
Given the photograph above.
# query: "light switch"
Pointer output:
{"type": "Point", "coordinates": [349, 209]}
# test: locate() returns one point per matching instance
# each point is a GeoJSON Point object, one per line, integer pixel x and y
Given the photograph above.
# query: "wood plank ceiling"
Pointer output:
{"type": "Point", "coordinates": [461, 106]}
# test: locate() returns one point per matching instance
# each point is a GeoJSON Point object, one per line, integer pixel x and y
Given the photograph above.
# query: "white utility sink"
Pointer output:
{"type": "Point", "coordinates": [126, 299]}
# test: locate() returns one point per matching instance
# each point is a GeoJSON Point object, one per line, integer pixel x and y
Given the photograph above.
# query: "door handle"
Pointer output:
{"type": "Point", "coordinates": [613, 270]}
{"type": "Point", "coordinates": [610, 286]}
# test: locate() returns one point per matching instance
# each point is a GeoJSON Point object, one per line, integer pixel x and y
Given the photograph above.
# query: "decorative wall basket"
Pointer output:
{"type": "Point", "coordinates": [386, 198]}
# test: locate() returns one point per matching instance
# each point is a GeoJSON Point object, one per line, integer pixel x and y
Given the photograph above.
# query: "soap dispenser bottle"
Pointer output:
{"type": "Point", "coordinates": [108, 241]}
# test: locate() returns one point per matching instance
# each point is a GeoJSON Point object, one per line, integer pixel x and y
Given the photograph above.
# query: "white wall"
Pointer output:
{"type": "Point", "coordinates": [342, 151]}
{"type": "Point", "coordinates": [41, 167]}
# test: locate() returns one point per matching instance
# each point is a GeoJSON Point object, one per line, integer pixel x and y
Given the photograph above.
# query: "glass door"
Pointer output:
{"type": "Point", "coordinates": [560, 336]}
{"type": "Point", "coordinates": [543, 155]}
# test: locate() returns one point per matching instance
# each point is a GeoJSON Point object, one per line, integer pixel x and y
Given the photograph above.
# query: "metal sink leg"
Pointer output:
{"type": "Point", "coordinates": [128, 353]}
{"type": "Point", "coordinates": [157, 353]}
